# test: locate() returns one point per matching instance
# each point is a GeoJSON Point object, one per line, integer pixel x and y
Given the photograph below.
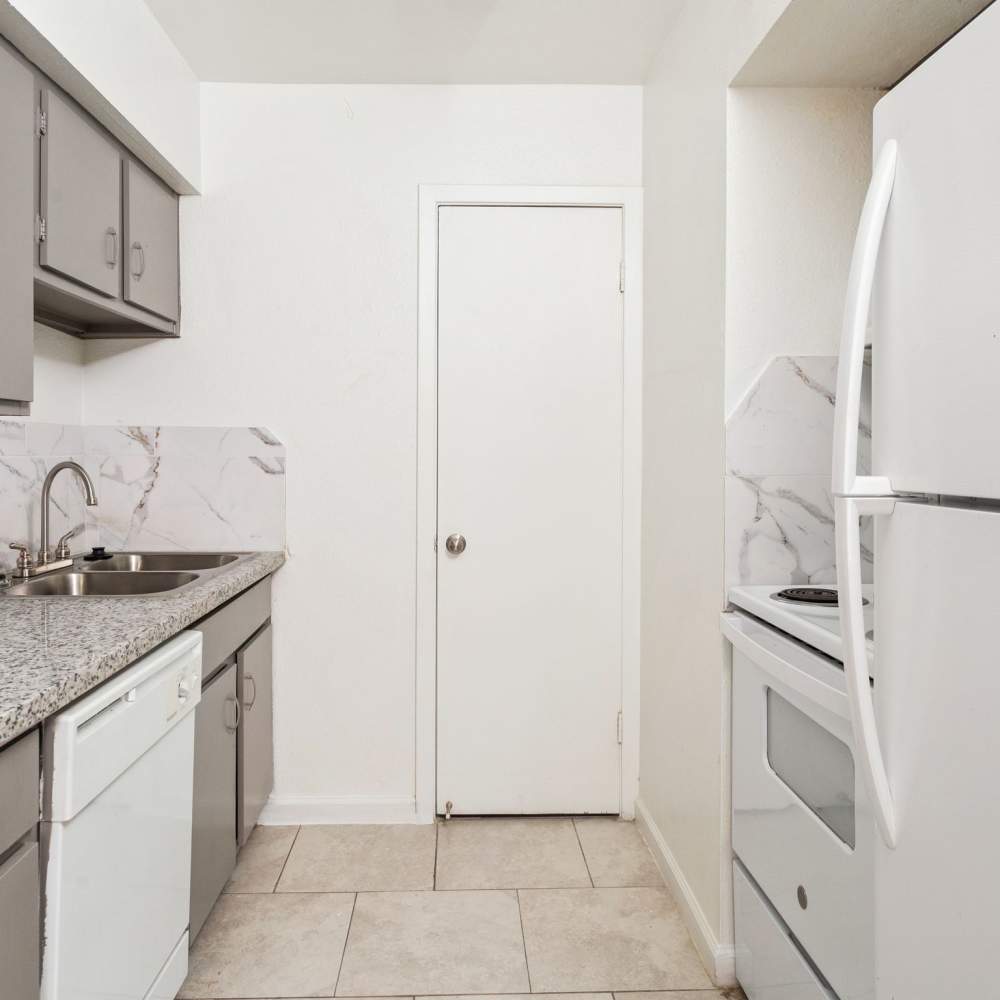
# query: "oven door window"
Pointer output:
{"type": "Point", "coordinates": [813, 763]}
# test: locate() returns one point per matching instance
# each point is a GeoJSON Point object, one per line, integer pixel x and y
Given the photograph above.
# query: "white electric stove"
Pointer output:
{"type": "Point", "coordinates": [812, 619]}
{"type": "Point", "coordinates": [803, 831]}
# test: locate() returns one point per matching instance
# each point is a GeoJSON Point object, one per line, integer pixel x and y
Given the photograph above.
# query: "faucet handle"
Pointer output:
{"type": "Point", "coordinates": [23, 559]}
{"type": "Point", "coordinates": [62, 546]}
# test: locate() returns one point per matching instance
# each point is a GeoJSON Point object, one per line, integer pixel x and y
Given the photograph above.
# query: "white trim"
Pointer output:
{"type": "Point", "coordinates": [727, 918]}
{"type": "Point", "coordinates": [629, 199]}
{"type": "Point", "coordinates": [718, 958]}
{"type": "Point", "coordinates": [312, 810]}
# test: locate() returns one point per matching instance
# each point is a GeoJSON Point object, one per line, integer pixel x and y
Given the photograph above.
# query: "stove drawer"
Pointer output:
{"type": "Point", "coordinates": [802, 826]}
{"type": "Point", "coordinates": [769, 965]}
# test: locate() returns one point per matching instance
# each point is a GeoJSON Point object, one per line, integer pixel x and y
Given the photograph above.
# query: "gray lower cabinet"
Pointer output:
{"type": "Point", "coordinates": [255, 750]}
{"type": "Point", "coordinates": [213, 843]}
{"type": "Point", "coordinates": [151, 243]}
{"type": "Point", "coordinates": [17, 184]}
{"type": "Point", "coordinates": [20, 959]}
{"type": "Point", "coordinates": [19, 924]}
{"type": "Point", "coordinates": [79, 198]}
{"type": "Point", "coordinates": [233, 753]}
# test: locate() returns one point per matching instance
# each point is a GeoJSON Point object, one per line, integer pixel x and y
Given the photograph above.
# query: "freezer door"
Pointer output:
{"type": "Point", "coordinates": [937, 694]}
{"type": "Point", "coordinates": [936, 307]}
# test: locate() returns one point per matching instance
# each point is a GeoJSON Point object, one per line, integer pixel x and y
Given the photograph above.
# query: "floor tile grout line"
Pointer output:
{"type": "Point", "coordinates": [555, 993]}
{"type": "Point", "coordinates": [586, 863]}
{"type": "Point", "coordinates": [284, 863]}
{"type": "Point", "coordinates": [524, 940]}
{"type": "Point", "coordinates": [437, 840]}
{"type": "Point", "coordinates": [347, 938]}
{"type": "Point", "coordinates": [470, 888]}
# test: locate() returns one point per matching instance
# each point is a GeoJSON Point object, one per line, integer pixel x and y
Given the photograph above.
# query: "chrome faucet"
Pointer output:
{"type": "Point", "coordinates": [46, 561]}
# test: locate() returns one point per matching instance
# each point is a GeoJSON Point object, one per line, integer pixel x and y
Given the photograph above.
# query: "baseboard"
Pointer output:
{"type": "Point", "coordinates": [310, 810]}
{"type": "Point", "coordinates": [718, 958]}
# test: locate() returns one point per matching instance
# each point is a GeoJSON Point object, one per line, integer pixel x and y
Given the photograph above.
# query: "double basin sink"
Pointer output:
{"type": "Point", "coordinates": [126, 574]}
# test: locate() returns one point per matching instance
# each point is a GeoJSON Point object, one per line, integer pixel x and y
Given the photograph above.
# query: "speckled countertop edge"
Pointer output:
{"type": "Point", "coordinates": [55, 649]}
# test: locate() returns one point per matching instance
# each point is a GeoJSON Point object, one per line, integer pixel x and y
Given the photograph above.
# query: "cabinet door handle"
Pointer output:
{"type": "Point", "coordinates": [138, 254]}
{"type": "Point", "coordinates": [237, 713]}
{"type": "Point", "coordinates": [253, 685]}
{"type": "Point", "coordinates": [111, 246]}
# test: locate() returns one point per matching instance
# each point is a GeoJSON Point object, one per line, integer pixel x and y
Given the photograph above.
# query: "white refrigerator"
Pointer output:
{"type": "Point", "coordinates": [924, 292]}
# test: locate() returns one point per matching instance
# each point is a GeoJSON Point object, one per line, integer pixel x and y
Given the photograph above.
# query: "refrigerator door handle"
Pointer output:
{"type": "Point", "coordinates": [848, 512]}
{"type": "Point", "coordinates": [846, 481]}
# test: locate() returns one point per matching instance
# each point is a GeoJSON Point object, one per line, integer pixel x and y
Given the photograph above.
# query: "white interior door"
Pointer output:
{"type": "Point", "coordinates": [530, 474]}
{"type": "Point", "coordinates": [937, 693]}
{"type": "Point", "coordinates": [936, 311]}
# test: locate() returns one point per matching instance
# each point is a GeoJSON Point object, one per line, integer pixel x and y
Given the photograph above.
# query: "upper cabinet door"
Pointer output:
{"type": "Point", "coordinates": [151, 248]}
{"type": "Point", "coordinates": [17, 223]}
{"type": "Point", "coordinates": [80, 197]}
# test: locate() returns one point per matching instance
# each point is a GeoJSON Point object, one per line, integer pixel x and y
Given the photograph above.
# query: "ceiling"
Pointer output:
{"type": "Point", "coordinates": [417, 41]}
{"type": "Point", "coordinates": [819, 43]}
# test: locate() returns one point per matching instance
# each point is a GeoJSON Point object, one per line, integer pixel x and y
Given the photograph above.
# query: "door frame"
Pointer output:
{"type": "Point", "coordinates": [431, 198]}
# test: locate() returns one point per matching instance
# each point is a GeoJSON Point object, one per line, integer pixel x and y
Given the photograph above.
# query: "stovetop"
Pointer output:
{"type": "Point", "coordinates": [814, 620]}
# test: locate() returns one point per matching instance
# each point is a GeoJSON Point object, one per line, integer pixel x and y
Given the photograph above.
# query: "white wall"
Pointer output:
{"type": "Point", "coordinates": [683, 787]}
{"type": "Point", "coordinates": [115, 58]}
{"type": "Point", "coordinates": [798, 167]}
{"type": "Point", "coordinates": [299, 277]}
{"type": "Point", "coordinates": [59, 375]}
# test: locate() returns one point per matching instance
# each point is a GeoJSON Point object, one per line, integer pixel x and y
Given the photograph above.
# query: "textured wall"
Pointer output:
{"type": "Point", "coordinates": [299, 275]}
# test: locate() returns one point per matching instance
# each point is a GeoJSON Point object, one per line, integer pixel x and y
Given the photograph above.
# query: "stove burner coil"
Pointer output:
{"type": "Point", "coordinates": [808, 595]}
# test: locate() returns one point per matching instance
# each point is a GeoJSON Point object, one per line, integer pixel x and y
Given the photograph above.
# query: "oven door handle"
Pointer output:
{"type": "Point", "coordinates": [848, 512]}
{"type": "Point", "coordinates": [781, 672]}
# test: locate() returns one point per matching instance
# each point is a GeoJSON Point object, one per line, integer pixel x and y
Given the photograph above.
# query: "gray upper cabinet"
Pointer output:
{"type": "Point", "coordinates": [80, 198]}
{"type": "Point", "coordinates": [151, 243]}
{"type": "Point", "coordinates": [255, 768]}
{"type": "Point", "coordinates": [17, 138]}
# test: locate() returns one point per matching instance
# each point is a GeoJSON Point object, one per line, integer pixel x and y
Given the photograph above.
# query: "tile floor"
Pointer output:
{"type": "Point", "coordinates": [472, 907]}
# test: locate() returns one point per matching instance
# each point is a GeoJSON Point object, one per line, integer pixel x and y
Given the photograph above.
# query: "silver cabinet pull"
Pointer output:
{"type": "Point", "coordinates": [237, 714]}
{"type": "Point", "coordinates": [455, 544]}
{"type": "Point", "coordinates": [138, 254]}
{"type": "Point", "coordinates": [248, 705]}
{"type": "Point", "coordinates": [111, 246]}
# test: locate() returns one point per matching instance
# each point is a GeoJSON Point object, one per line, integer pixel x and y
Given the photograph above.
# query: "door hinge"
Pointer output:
{"type": "Point", "coordinates": [42, 230]}
{"type": "Point", "coordinates": [620, 728]}
{"type": "Point", "coordinates": [43, 122]}
{"type": "Point", "coordinates": [435, 543]}
{"type": "Point", "coordinates": [621, 277]}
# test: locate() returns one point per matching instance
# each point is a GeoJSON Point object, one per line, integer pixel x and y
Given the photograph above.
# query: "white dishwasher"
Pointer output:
{"type": "Point", "coordinates": [116, 832]}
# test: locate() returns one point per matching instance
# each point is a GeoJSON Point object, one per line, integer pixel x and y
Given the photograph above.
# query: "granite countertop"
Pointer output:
{"type": "Point", "coordinates": [55, 649]}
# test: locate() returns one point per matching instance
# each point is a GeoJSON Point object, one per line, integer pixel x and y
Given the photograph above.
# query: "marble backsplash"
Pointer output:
{"type": "Point", "coordinates": [157, 487]}
{"type": "Point", "coordinates": [778, 501]}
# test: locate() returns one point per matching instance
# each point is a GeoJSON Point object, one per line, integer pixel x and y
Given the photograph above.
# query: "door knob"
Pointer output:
{"type": "Point", "coordinates": [455, 544]}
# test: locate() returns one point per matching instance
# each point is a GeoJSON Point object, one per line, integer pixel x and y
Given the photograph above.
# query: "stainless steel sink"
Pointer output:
{"type": "Point", "coordinates": [141, 562]}
{"type": "Point", "coordinates": [110, 584]}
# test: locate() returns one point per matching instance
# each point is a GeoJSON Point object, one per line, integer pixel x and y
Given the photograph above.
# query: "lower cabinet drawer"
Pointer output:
{"type": "Point", "coordinates": [19, 927]}
{"type": "Point", "coordinates": [225, 630]}
{"type": "Point", "coordinates": [769, 964]}
{"type": "Point", "coordinates": [18, 789]}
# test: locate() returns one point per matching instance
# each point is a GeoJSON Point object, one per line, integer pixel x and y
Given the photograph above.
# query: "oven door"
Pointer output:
{"type": "Point", "coordinates": [802, 825]}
